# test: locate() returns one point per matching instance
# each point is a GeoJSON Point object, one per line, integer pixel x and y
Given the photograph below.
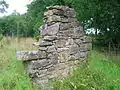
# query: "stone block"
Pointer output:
{"type": "Point", "coordinates": [51, 49]}
{"type": "Point", "coordinates": [50, 38]}
{"type": "Point", "coordinates": [30, 55]}
{"type": "Point", "coordinates": [65, 26]}
{"type": "Point", "coordinates": [42, 48]}
{"type": "Point", "coordinates": [53, 12]}
{"type": "Point", "coordinates": [54, 18]}
{"type": "Point", "coordinates": [45, 43]}
{"type": "Point", "coordinates": [60, 43]}
{"type": "Point", "coordinates": [51, 30]}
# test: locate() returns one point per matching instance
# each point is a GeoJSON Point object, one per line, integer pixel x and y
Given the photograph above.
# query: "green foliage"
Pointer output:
{"type": "Point", "coordinates": [15, 25]}
{"type": "Point", "coordinates": [99, 74]}
{"type": "Point", "coordinates": [103, 16]}
{"type": "Point", "coordinates": [37, 38]}
{"type": "Point", "coordinates": [1, 37]}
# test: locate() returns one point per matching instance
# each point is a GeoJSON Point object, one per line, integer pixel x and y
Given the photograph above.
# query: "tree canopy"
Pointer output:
{"type": "Point", "coordinates": [100, 15]}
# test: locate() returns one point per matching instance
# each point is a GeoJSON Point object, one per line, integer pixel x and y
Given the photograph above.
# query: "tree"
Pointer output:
{"type": "Point", "coordinates": [4, 6]}
{"type": "Point", "coordinates": [101, 15]}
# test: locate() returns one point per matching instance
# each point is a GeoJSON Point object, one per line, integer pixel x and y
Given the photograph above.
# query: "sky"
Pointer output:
{"type": "Point", "coordinates": [18, 5]}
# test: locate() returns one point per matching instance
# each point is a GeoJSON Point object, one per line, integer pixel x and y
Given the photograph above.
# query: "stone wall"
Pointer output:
{"type": "Point", "coordinates": [62, 46]}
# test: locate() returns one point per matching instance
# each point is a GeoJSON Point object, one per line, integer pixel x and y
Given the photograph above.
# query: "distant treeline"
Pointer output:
{"type": "Point", "coordinates": [101, 15]}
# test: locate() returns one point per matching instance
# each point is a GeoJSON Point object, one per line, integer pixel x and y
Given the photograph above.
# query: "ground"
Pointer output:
{"type": "Point", "coordinates": [98, 74]}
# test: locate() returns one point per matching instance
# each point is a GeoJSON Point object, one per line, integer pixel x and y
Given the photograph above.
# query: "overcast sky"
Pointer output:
{"type": "Point", "coordinates": [18, 5]}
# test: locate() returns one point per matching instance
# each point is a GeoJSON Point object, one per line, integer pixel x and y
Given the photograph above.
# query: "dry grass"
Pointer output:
{"type": "Point", "coordinates": [12, 73]}
{"type": "Point", "coordinates": [9, 46]}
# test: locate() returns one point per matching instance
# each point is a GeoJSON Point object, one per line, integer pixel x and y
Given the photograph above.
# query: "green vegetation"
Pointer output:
{"type": "Point", "coordinates": [12, 72]}
{"type": "Point", "coordinates": [100, 15]}
{"type": "Point", "coordinates": [98, 74]}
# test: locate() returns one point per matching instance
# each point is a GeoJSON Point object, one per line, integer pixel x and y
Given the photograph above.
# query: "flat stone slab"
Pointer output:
{"type": "Point", "coordinates": [30, 55]}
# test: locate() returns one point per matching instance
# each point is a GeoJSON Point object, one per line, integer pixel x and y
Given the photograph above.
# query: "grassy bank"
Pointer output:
{"type": "Point", "coordinates": [99, 74]}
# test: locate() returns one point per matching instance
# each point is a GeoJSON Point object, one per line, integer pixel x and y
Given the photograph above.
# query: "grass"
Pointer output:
{"type": "Point", "coordinates": [12, 73]}
{"type": "Point", "coordinates": [98, 74]}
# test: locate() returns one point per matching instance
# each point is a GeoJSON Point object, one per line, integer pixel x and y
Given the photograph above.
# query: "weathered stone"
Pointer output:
{"type": "Point", "coordinates": [60, 43]}
{"type": "Point", "coordinates": [45, 43]}
{"type": "Point", "coordinates": [51, 30]}
{"type": "Point", "coordinates": [36, 43]}
{"type": "Point", "coordinates": [51, 49]}
{"type": "Point", "coordinates": [65, 26]}
{"type": "Point", "coordinates": [70, 41]}
{"type": "Point", "coordinates": [68, 20]}
{"type": "Point", "coordinates": [57, 7]}
{"type": "Point", "coordinates": [53, 12]}
{"type": "Point", "coordinates": [77, 32]}
{"type": "Point", "coordinates": [61, 36]}
{"type": "Point", "coordinates": [84, 47]}
{"type": "Point", "coordinates": [54, 18]}
{"type": "Point", "coordinates": [73, 49]}
{"type": "Point", "coordinates": [67, 33]}
{"type": "Point", "coordinates": [54, 60]}
{"type": "Point", "coordinates": [42, 48]}
{"type": "Point", "coordinates": [62, 49]}
{"type": "Point", "coordinates": [62, 46]}
{"type": "Point", "coordinates": [40, 64]}
{"type": "Point", "coordinates": [78, 41]}
{"type": "Point", "coordinates": [30, 55]}
{"type": "Point", "coordinates": [68, 12]}
{"type": "Point", "coordinates": [50, 38]}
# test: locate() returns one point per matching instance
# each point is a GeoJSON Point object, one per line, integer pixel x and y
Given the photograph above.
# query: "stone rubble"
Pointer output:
{"type": "Point", "coordinates": [62, 44]}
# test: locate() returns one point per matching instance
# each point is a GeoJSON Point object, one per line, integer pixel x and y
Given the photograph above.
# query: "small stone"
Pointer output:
{"type": "Point", "coordinates": [54, 18]}
{"type": "Point", "coordinates": [57, 7]}
{"type": "Point", "coordinates": [64, 49]}
{"type": "Point", "coordinates": [60, 43]}
{"type": "Point", "coordinates": [53, 12]}
{"type": "Point", "coordinates": [36, 43]}
{"type": "Point", "coordinates": [68, 20]}
{"type": "Point", "coordinates": [39, 64]}
{"type": "Point", "coordinates": [73, 49]}
{"type": "Point", "coordinates": [83, 47]}
{"type": "Point", "coordinates": [65, 26]}
{"type": "Point", "coordinates": [42, 48]}
{"type": "Point", "coordinates": [50, 38]}
{"type": "Point", "coordinates": [70, 41]}
{"type": "Point", "coordinates": [78, 41]}
{"type": "Point", "coordinates": [45, 43]}
{"type": "Point", "coordinates": [51, 30]}
{"type": "Point", "coordinates": [51, 49]}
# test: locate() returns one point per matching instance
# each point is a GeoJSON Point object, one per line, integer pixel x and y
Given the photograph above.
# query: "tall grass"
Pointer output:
{"type": "Point", "coordinates": [98, 74]}
{"type": "Point", "coordinates": [12, 73]}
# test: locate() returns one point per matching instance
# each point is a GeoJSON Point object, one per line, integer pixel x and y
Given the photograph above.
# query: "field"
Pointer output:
{"type": "Point", "coordinates": [98, 74]}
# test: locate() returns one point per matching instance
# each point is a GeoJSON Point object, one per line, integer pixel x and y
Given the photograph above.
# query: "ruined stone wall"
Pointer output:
{"type": "Point", "coordinates": [62, 46]}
